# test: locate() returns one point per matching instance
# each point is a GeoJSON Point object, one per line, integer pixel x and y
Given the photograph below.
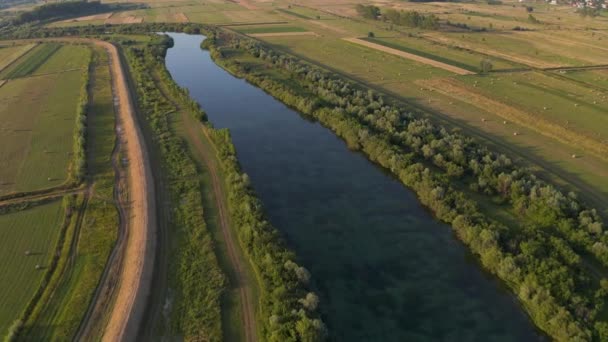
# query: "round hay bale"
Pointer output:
{"type": "Point", "coordinates": [38, 267]}
{"type": "Point", "coordinates": [28, 252]}
{"type": "Point", "coordinates": [504, 122]}
{"type": "Point", "coordinates": [515, 133]}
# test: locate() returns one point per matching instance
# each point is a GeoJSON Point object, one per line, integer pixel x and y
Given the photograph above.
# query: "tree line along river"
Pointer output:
{"type": "Point", "coordinates": [384, 268]}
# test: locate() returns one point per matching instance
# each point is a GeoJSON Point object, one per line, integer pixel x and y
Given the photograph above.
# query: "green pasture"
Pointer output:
{"type": "Point", "coordinates": [37, 122]}
{"type": "Point", "coordinates": [35, 230]}
{"type": "Point", "coordinates": [597, 78]}
{"type": "Point", "coordinates": [270, 29]}
{"type": "Point", "coordinates": [9, 53]}
{"type": "Point", "coordinates": [449, 55]}
{"type": "Point", "coordinates": [68, 57]}
{"type": "Point", "coordinates": [552, 99]}
{"type": "Point", "coordinates": [360, 62]}
{"type": "Point", "coordinates": [30, 62]}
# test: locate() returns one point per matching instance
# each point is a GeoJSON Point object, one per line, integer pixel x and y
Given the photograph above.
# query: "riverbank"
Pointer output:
{"type": "Point", "coordinates": [444, 184]}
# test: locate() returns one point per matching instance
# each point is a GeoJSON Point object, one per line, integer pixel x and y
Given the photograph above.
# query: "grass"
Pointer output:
{"type": "Point", "coordinates": [31, 61]}
{"type": "Point", "coordinates": [8, 54]}
{"type": "Point", "coordinates": [35, 230]}
{"type": "Point", "coordinates": [404, 80]}
{"type": "Point", "coordinates": [68, 57]}
{"type": "Point", "coordinates": [294, 13]}
{"type": "Point", "coordinates": [37, 120]}
{"type": "Point", "coordinates": [61, 314]}
{"type": "Point", "coordinates": [597, 78]}
{"type": "Point", "coordinates": [270, 29]}
{"type": "Point", "coordinates": [460, 58]}
{"type": "Point", "coordinates": [555, 100]}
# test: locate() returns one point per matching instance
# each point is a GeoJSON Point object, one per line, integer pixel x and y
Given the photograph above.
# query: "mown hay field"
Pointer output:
{"type": "Point", "coordinates": [37, 122]}
{"type": "Point", "coordinates": [35, 230]}
{"type": "Point", "coordinates": [577, 107]}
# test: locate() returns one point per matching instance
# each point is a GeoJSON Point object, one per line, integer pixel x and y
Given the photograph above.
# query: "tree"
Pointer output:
{"type": "Point", "coordinates": [486, 65]}
{"type": "Point", "coordinates": [371, 34]}
{"type": "Point", "coordinates": [369, 12]}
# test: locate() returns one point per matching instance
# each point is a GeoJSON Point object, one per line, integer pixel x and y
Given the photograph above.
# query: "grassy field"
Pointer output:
{"type": "Point", "coordinates": [596, 78]}
{"type": "Point", "coordinates": [35, 230]}
{"type": "Point", "coordinates": [38, 116]}
{"type": "Point", "coordinates": [453, 56]}
{"type": "Point", "coordinates": [29, 62]}
{"type": "Point", "coordinates": [270, 29]}
{"type": "Point", "coordinates": [68, 57]}
{"type": "Point", "coordinates": [9, 53]}
{"type": "Point", "coordinates": [61, 314]}
{"type": "Point", "coordinates": [567, 104]}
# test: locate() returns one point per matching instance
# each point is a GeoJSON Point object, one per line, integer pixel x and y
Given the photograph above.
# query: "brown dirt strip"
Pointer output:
{"type": "Point", "coordinates": [2, 82]}
{"type": "Point", "coordinates": [281, 34]}
{"type": "Point", "coordinates": [410, 56]}
{"type": "Point", "coordinates": [135, 281]}
{"type": "Point", "coordinates": [181, 17]}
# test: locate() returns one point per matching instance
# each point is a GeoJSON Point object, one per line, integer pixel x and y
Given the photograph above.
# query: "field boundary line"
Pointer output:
{"type": "Point", "coordinates": [44, 196]}
{"type": "Point", "coordinates": [410, 56]}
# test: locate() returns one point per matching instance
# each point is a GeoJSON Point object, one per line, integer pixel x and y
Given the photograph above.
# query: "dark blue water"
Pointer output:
{"type": "Point", "coordinates": [384, 268]}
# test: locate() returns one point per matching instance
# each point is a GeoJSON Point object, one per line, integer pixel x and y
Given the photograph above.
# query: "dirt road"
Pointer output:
{"type": "Point", "coordinates": [410, 56]}
{"type": "Point", "coordinates": [136, 274]}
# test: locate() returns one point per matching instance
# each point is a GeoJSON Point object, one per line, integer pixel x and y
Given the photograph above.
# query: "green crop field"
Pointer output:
{"type": "Point", "coordinates": [37, 122]}
{"type": "Point", "coordinates": [35, 230]}
{"type": "Point", "coordinates": [597, 78]}
{"type": "Point", "coordinates": [361, 62]}
{"type": "Point", "coordinates": [9, 53]}
{"type": "Point", "coordinates": [460, 58]}
{"type": "Point", "coordinates": [270, 29]}
{"type": "Point", "coordinates": [68, 57]}
{"type": "Point", "coordinates": [30, 61]}
{"type": "Point", "coordinates": [562, 102]}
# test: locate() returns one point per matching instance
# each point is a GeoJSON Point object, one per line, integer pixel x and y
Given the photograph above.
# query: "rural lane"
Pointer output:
{"type": "Point", "coordinates": [138, 263]}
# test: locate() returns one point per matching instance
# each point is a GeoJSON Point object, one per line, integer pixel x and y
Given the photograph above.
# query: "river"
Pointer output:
{"type": "Point", "coordinates": [384, 268]}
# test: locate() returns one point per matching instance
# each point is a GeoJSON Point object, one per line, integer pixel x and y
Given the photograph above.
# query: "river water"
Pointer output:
{"type": "Point", "coordinates": [384, 268]}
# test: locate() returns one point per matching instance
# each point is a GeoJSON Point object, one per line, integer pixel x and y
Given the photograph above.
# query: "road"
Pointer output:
{"type": "Point", "coordinates": [138, 261]}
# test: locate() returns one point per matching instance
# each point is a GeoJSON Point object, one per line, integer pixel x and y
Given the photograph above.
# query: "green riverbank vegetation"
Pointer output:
{"type": "Point", "coordinates": [547, 246]}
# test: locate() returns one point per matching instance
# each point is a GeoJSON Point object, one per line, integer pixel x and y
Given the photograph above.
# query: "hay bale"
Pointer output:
{"type": "Point", "coordinates": [28, 252]}
{"type": "Point", "coordinates": [483, 120]}
{"type": "Point", "coordinates": [504, 122]}
{"type": "Point", "coordinates": [515, 133]}
{"type": "Point", "coordinates": [574, 156]}
{"type": "Point", "coordinates": [38, 267]}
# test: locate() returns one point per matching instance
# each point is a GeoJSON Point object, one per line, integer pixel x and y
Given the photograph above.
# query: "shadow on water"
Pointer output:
{"type": "Point", "coordinates": [384, 268]}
